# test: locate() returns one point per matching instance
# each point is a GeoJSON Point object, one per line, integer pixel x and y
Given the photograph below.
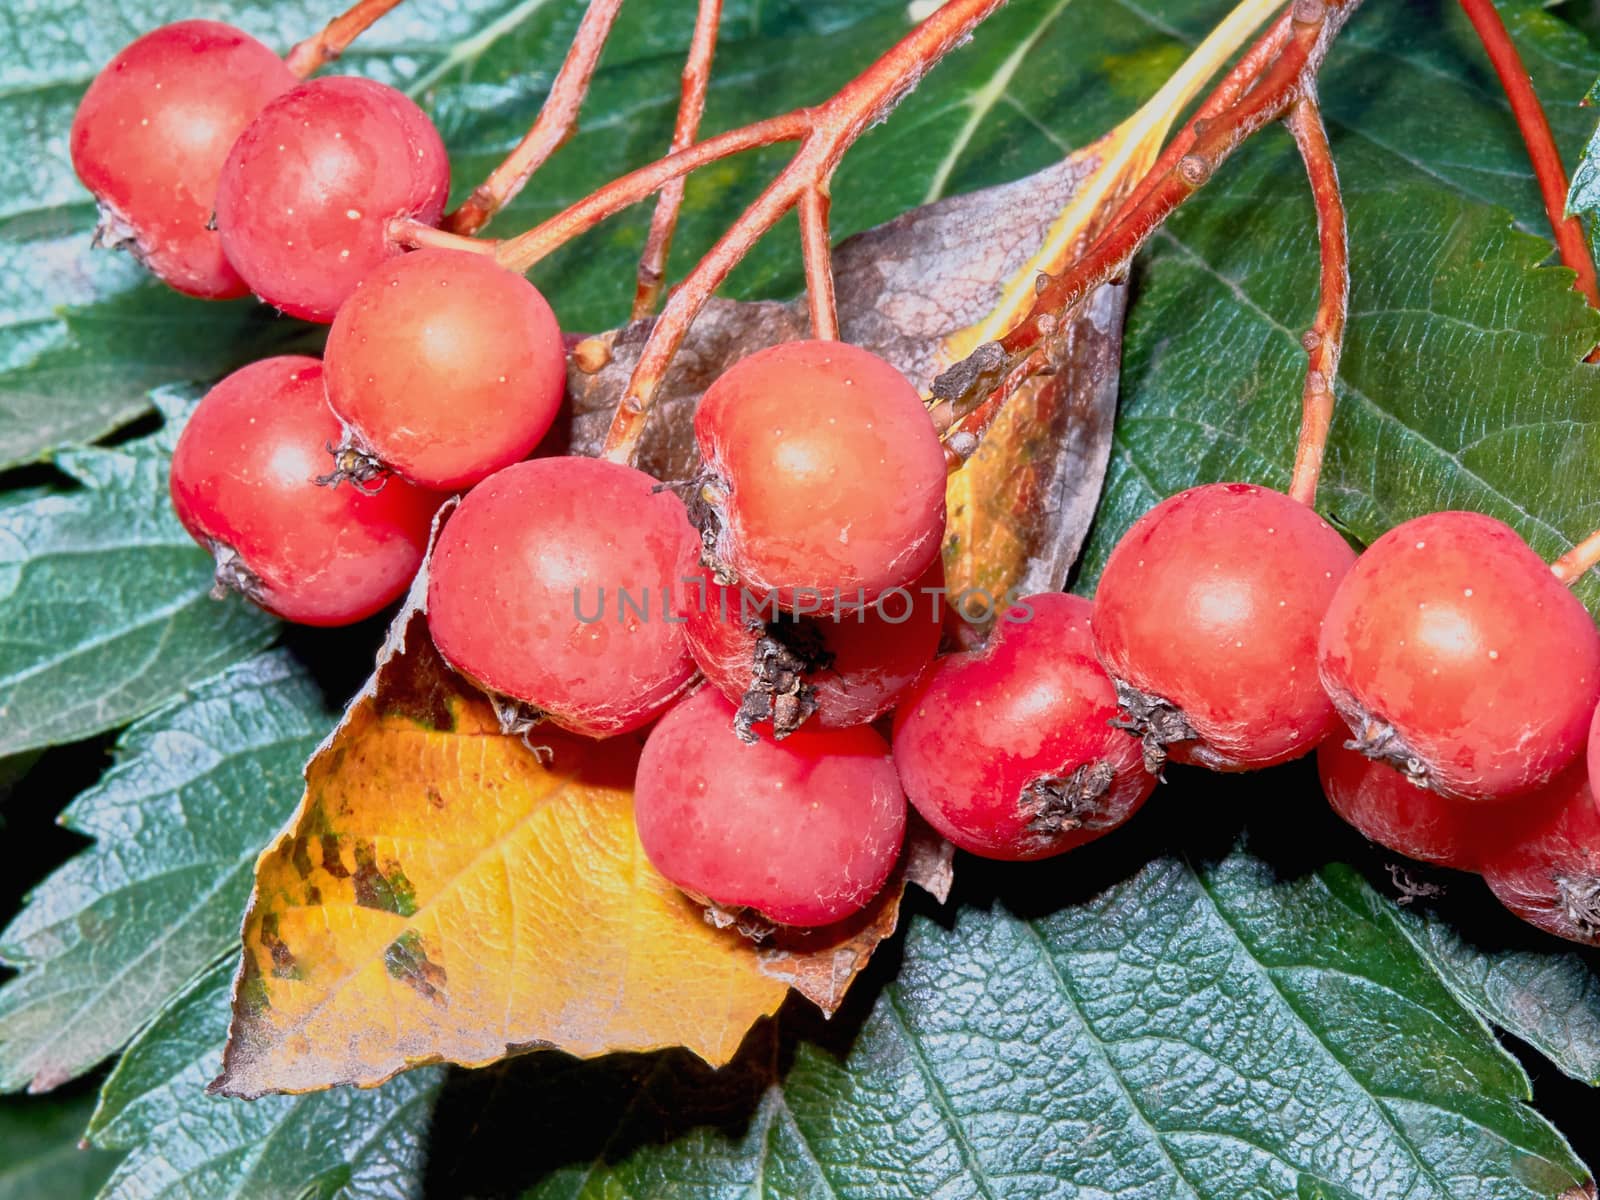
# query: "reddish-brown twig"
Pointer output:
{"type": "Point", "coordinates": [415, 235]}
{"type": "Point", "coordinates": [978, 385]}
{"type": "Point", "coordinates": [1536, 135]}
{"type": "Point", "coordinates": [557, 121]}
{"type": "Point", "coordinates": [817, 252]}
{"type": "Point", "coordinates": [824, 132]}
{"type": "Point", "coordinates": [1570, 567]}
{"type": "Point", "coordinates": [319, 50]}
{"type": "Point", "coordinates": [1324, 340]}
{"type": "Point", "coordinates": [664, 221]}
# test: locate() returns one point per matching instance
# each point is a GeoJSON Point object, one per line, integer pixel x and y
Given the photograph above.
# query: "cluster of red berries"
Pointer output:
{"type": "Point", "coordinates": [1233, 628]}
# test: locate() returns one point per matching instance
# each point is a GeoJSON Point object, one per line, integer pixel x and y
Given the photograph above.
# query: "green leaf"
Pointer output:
{"type": "Point", "coordinates": [104, 604]}
{"type": "Point", "coordinates": [39, 1154]}
{"type": "Point", "coordinates": [1201, 1027]}
{"type": "Point", "coordinates": [183, 1143]}
{"type": "Point", "coordinates": [198, 788]}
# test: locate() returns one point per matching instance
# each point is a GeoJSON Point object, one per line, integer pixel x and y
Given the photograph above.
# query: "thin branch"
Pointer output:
{"type": "Point", "coordinates": [1570, 567]}
{"type": "Point", "coordinates": [1324, 340]}
{"type": "Point", "coordinates": [664, 222]}
{"type": "Point", "coordinates": [1536, 135]}
{"type": "Point", "coordinates": [414, 235]}
{"type": "Point", "coordinates": [817, 252]}
{"type": "Point", "coordinates": [318, 51]}
{"type": "Point", "coordinates": [826, 131]}
{"type": "Point", "coordinates": [1281, 78]}
{"type": "Point", "coordinates": [557, 121]}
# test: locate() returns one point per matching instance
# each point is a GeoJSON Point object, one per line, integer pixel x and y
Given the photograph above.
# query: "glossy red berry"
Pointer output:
{"type": "Point", "coordinates": [444, 367]}
{"type": "Point", "coordinates": [1455, 655]}
{"type": "Point", "coordinates": [554, 584]}
{"type": "Point", "coordinates": [150, 137]}
{"type": "Point", "coordinates": [833, 669]}
{"type": "Point", "coordinates": [801, 832]}
{"type": "Point", "coordinates": [244, 486]}
{"type": "Point", "coordinates": [1550, 875]}
{"type": "Point", "coordinates": [823, 473]}
{"type": "Point", "coordinates": [1206, 617]}
{"type": "Point", "coordinates": [1387, 808]}
{"type": "Point", "coordinates": [1593, 756]}
{"type": "Point", "coordinates": [307, 194]}
{"type": "Point", "coordinates": [1010, 751]}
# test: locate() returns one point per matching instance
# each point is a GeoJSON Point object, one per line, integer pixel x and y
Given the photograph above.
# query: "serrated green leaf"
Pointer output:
{"type": "Point", "coordinates": [186, 1145]}
{"type": "Point", "coordinates": [39, 1154]}
{"type": "Point", "coordinates": [104, 604]}
{"type": "Point", "coordinates": [197, 789]}
{"type": "Point", "coordinates": [1204, 1028]}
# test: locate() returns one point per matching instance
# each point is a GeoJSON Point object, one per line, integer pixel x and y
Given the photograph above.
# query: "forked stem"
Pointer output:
{"type": "Point", "coordinates": [1541, 144]}
{"type": "Point", "coordinates": [1572, 565]}
{"type": "Point", "coordinates": [556, 122]}
{"type": "Point", "coordinates": [692, 106]}
{"type": "Point", "coordinates": [319, 50]}
{"type": "Point", "coordinates": [1324, 340]}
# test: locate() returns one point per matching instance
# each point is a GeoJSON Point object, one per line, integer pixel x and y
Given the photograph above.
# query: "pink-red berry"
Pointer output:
{"type": "Point", "coordinates": [244, 485]}
{"type": "Point", "coordinates": [823, 474]}
{"type": "Point", "coordinates": [150, 137]}
{"type": "Point", "coordinates": [1010, 752]}
{"type": "Point", "coordinates": [553, 584]}
{"type": "Point", "coordinates": [1455, 655]}
{"type": "Point", "coordinates": [800, 832]}
{"type": "Point", "coordinates": [308, 192]}
{"type": "Point", "coordinates": [1549, 875]}
{"type": "Point", "coordinates": [445, 367]}
{"type": "Point", "coordinates": [1206, 617]}
{"type": "Point", "coordinates": [832, 669]}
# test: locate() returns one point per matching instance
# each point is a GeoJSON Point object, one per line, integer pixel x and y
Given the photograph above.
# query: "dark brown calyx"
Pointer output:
{"type": "Point", "coordinates": [1580, 903]}
{"type": "Point", "coordinates": [747, 922]}
{"type": "Point", "coordinates": [1381, 742]}
{"type": "Point", "coordinates": [232, 575]}
{"type": "Point", "coordinates": [114, 232]}
{"type": "Point", "coordinates": [704, 502]}
{"type": "Point", "coordinates": [354, 464]}
{"type": "Point", "coordinates": [1057, 804]}
{"type": "Point", "coordinates": [1157, 723]}
{"type": "Point", "coordinates": [785, 654]}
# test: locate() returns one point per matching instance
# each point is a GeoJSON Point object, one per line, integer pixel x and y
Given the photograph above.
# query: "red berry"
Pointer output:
{"type": "Point", "coordinates": [833, 669]}
{"type": "Point", "coordinates": [1550, 875]}
{"type": "Point", "coordinates": [1593, 757]}
{"type": "Point", "coordinates": [1010, 751]}
{"type": "Point", "coordinates": [824, 473]}
{"type": "Point", "coordinates": [244, 485]}
{"type": "Point", "coordinates": [307, 194]}
{"type": "Point", "coordinates": [445, 367]}
{"type": "Point", "coordinates": [150, 136]}
{"type": "Point", "coordinates": [1455, 655]}
{"type": "Point", "coordinates": [1387, 808]}
{"type": "Point", "coordinates": [554, 584]}
{"type": "Point", "coordinates": [802, 832]}
{"type": "Point", "coordinates": [1206, 617]}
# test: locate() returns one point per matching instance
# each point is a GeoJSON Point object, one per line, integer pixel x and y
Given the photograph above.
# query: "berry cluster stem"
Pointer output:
{"type": "Point", "coordinates": [816, 250]}
{"type": "Point", "coordinates": [1324, 340]}
{"type": "Point", "coordinates": [664, 221]}
{"type": "Point", "coordinates": [1536, 135]}
{"type": "Point", "coordinates": [1263, 88]}
{"type": "Point", "coordinates": [1572, 565]}
{"type": "Point", "coordinates": [318, 51]}
{"type": "Point", "coordinates": [824, 133]}
{"type": "Point", "coordinates": [557, 121]}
